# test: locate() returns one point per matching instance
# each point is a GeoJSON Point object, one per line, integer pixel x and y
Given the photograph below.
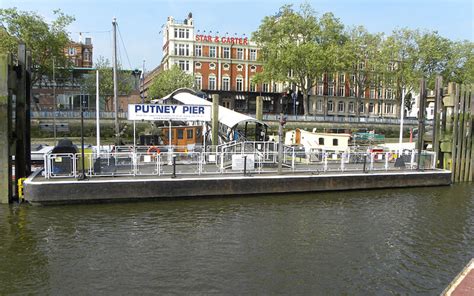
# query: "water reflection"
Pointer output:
{"type": "Point", "coordinates": [365, 242]}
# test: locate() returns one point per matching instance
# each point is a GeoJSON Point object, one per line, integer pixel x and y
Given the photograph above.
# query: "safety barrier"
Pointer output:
{"type": "Point", "coordinates": [204, 163]}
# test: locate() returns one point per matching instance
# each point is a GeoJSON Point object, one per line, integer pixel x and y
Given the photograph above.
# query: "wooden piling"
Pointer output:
{"type": "Point", "coordinates": [5, 128]}
{"type": "Point", "coordinates": [421, 120]}
{"type": "Point", "coordinates": [437, 121]}
{"type": "Point", "coordinates": [469, 167]}
{"type": "Point", "coordinates": [20, 115]}
{"type": "Point", "coordinates": [455, 133]}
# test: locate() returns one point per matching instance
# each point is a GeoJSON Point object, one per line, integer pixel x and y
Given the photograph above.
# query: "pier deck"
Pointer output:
{"type": "Point", "coordinates": [39, 190]}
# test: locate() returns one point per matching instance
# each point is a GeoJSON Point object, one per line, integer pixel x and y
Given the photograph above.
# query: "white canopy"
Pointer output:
{"type": "Point", "coordinates": [227, 117]}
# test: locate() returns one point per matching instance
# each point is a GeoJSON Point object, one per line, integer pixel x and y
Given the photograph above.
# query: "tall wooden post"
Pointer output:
{"type": "Point", "coordinates": [421, 120]}
{"type": "Point", "coordinates": [470, 176]}
{"type": "Point", "coordinates": [215, 120]}
{"type": "Point", "coordinates": [437, 124]}
{"type": "Point", "coordinates": [454, 150]}
{"type": "Point", "coordinates": [20, 113]}
{"type": "Point", "coordinates": [5, 129]}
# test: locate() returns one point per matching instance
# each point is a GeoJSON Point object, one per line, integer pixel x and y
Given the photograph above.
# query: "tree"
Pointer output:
{"type": "Point", "coordinates": [434, 52]}
{"type": "Point", "coordinates": [460, 67]}
{"type": "Point", "coordinates": [45, 41]}
{"type": "Point", "coordinates": [297, 47]}
{"type": "Point", "coordinates": [125, 81]}
{"type": "Point", "coordinates": [168, 81]}
{"type": "Point", "coordinates": [362, 56]}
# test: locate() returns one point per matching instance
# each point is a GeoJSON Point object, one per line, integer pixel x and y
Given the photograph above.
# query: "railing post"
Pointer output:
{"type": "Point", "coordinates": [386, 160]}
{"type": "Point", "coordinates": [174, 167]}
{"type": "Point", "coordinates": [412, 159]}
{"type": "Point", "coordinates": [222, 162]}
{"type": "Point", "coordinates": [158, 164]}
{"type": "Point", "coordinates": [372, 156]}
{"type": "Point", "coordinates": [325, 156]}
{"type": "Point", "coordinates": [245, 165]}
{"type": "Point", "coordinates": [293, 156]}
{"type": "Point", "coordinates": [342, 161]}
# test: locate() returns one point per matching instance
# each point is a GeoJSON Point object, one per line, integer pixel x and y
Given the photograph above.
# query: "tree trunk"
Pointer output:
{"type": "Point", "coordinates": [306, 102]}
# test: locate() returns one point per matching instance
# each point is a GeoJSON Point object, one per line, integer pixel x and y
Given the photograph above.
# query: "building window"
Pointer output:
{"type": "Point", "coordinates": [388, 108]}
{"type": "Point", "coordinates": [182, 33]}
{"type": "Point", "coordinates": [253, 54]}
{"type": "Point", "coordinates": [240, 53]}
{"type": "Point", "coordinates": [187, 33]}
{"type": "Point", "coordinates": [71, 51]}
{"type": "Point", "coordinates": [321, 141]}
{"type": "Point", "coordinates": [253, 86]}
{"type": "Point", "coordinates": [226, 52]}
{"type": "Point", "coordinates": [212, 82]}
{"type": "Point", "coordinates": [182, 49]}
{"type": "Point", "coordinates": [319, 105]}
{"type": "Point", "coordinates": [379, 93]}
{"type": "Point", "coordinates": [198, 65]}
{"type": "Point", "coordinates": [331, 90]}
{"type": "Point", "coordinates": [340, 106]}
{"type": "Point", "coordinates": [335, 142]}
{"type": "Point", "coordinates": [225, 83]}
{"type": "Point", "coordinates": [198, 50]}
{"type": "Point", "coordinates": [212, 66]}
{"type": "Point", "coordinates": [371, 108]}
{"type": "Point", "coordinates": [388, 94]}
{"type": "Point", "coordinates": [320, 89]}
{"type": "Point", "coordinates": [340, 90]}
{"type": "Point", "coordinates": [87, 55]}
{"type": "Point", "coordinates": [361, 108]}
{"type": "Point", "coordinates": [212, 51]}
{"type": "Point", "coordinates": [180, 134]}
{"type": "Point", "coordinates": [352, 91]}
{"type": "Point", "coordinates": [362, 95]}
{"type": "Point", "coordinates": [240, 84]}
{"type": "Point", "coordinates": [189, 134]}
{"type": "Point", "coordinates": [342, 78]}
{"type": "Point", "coordinates": [225, 67]}
{"type": "Point", "coordinates": [330, 78]}
{"type": "Point", "coordinates": [265, 87]}
{"type": "Point", "coordinates": [198, 82]}
{"type": "Point", "coordinates": [175, 33]}
{"type": "Point", "coordinates": [330, 106]}
{"type": "Point", "coordinates": [351, 107]}
{"type": "Point", "coordinates": [239, 67]}
{"type": "Point", "coordinates": [253, 68]}
{"type": "Point", "coordinates": [372, 93]}
{"type": "Point", "coordinates": [184, 65]}
{"type": "Point", "coordinates": [379, 108]}
{"type": "Point", "coordinates": [361, 66]}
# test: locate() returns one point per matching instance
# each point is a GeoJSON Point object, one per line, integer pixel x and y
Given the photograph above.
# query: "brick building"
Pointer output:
{"type": "Point", "coordinates": [79, 53]}
{"type": "Point", "coordinates": [225, 64]}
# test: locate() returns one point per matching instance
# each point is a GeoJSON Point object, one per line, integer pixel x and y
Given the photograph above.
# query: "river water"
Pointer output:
{"type": "Point", "coordinates": [401, 241]}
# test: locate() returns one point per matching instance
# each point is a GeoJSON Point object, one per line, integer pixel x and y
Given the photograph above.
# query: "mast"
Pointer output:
{"type": "Point", "coordinates": [117, 128]}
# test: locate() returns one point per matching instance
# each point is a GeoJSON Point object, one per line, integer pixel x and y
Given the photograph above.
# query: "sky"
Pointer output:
{"type": "Point", "coordinates": [140, 21]}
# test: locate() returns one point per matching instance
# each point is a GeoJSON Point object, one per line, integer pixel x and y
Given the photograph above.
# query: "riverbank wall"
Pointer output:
{"type": "Point", "coordinates": [41, 191]}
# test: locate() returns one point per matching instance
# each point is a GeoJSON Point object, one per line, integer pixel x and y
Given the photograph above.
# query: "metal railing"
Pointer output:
{"type": "Point", "coordinates": [195, 163]}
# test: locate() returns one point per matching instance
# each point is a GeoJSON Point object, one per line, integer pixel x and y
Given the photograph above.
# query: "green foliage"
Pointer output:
{"type": "Point", "coordinates": [46, 41]}
{"type": "Point", "coordinates": [168, 81]}
{"type": "Point", "coordinates": [125, 81]}
{"type": "Point", "coordinates": [362, 57]}
{"type": "Point", "coordinates": [460, 67]}
{"type": "Point", "coordinates": [300, 44]}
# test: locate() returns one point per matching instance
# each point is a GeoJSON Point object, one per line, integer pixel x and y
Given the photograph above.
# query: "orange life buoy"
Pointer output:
{"type": "Point", "coordinates": [153, 151]}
